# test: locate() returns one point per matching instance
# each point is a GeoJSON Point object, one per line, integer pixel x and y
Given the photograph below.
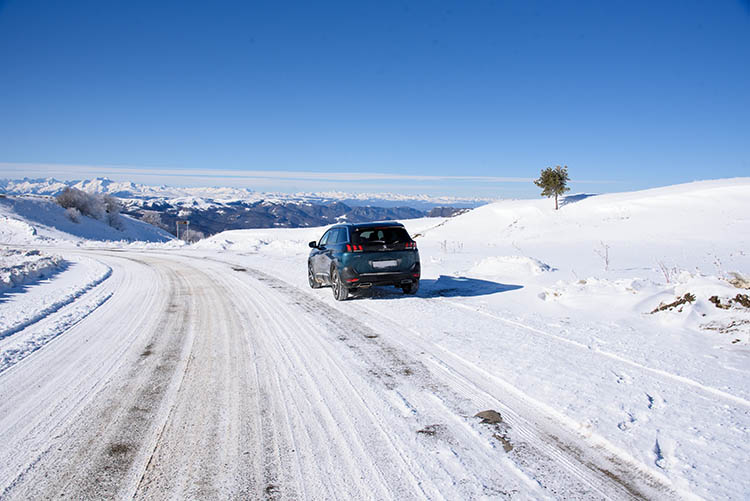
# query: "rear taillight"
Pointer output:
{"type": "Point", "coordinates": [411, 245]}
{"type": "Point", "coordinates": [353, 248]}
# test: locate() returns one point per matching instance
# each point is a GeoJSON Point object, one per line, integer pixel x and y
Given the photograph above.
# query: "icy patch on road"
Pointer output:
{"type": "Point", "coordinates": [19, 267]}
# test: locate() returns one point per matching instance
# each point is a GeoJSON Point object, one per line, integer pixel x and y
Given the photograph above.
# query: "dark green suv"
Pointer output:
{"type": "Point", "coordinates": [354, 256]}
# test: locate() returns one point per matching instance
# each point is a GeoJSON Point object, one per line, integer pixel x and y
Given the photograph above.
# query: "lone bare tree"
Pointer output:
{"type": "Point", "coordinates": [553, 182]}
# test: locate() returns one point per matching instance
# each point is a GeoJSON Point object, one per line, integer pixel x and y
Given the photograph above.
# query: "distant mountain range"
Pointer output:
{"type": "Point", "coordinates": [210, 210]}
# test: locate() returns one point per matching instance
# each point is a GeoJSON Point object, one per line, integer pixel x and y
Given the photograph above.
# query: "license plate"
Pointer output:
{"type": "Point", "coordinates": [384, 264]}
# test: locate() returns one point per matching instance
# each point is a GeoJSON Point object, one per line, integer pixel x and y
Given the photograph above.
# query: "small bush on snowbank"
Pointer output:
{"type": "Point", "coordinates": [102, 207]}
{"type": "Point", "coordinates": [740, 299]}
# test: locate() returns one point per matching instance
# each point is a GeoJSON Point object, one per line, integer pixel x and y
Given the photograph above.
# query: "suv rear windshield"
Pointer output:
{"type": "Point", "coordinates": [387, 235]}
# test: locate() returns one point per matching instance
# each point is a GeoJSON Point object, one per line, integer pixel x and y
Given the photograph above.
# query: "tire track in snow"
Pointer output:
{"type": "Point", "coordinates": [595, 471]}
{"type": "Point", "coordinates": [334, 417]}
{"type": "Point", "coordinates": [290, 343]}
{"type": "Point", "coordinates": [89, 448]}
{"type": "Point", "coordinates": [542, 438]}
{"type": "Point", "coordinates": [658, 372]}
{"type": "Point", "coordinates": [299, 415]}
{"type": "Point", "coordinates": [207, 443]}
{"type": "Point", "coordinates": [354, 362]}
{"type": "Point", "coordinates": [551, 437]}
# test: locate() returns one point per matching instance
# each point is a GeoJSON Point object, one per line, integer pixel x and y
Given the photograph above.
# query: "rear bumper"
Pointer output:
{"type": "Point", "coordinates": [353, 280]}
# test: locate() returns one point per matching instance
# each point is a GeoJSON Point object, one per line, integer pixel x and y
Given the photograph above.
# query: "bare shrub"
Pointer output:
{"type": "Point", "coordinates": [102, 207]}
{"type": "Point", "coordinates": [153, 217]}
{"type": "Point", "coordinates": [87, 204]}
{"type": "Point", "coordinates": [669, 273]}
{"type": "Point", "coordinates": [73, 214]}
{"type": "Point", "coordinates": [604, 254]}
{"type": "Point", "coordinates": [192, 236]}
{"type": "Point", "coordinates": [452, 247]}
{"type": "Point", "coordinates": [112, 209]}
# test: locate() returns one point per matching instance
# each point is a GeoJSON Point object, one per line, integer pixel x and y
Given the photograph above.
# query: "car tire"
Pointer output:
{"type": "Point", "coordinates": [410, 288]}
{"type": "Point", "coordinates": [311, 277]}
{"type": "Point", "coordinates": [340, 291]}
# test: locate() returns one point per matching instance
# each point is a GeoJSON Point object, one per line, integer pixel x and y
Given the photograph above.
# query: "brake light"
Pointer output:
{"type": "Point", "coordinates": [353, 248]}
{"type": "Point", "coordinates": [352, 280]}
{"type": "Point", "coordinates": [411, 245]}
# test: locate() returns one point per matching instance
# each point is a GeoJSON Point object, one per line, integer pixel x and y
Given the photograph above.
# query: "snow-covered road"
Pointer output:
{"type": "Point", "coordinates": [204, 379]}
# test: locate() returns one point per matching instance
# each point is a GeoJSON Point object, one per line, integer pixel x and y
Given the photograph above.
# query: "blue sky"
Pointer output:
{"type": "Point", "coordinates": [463, 98]}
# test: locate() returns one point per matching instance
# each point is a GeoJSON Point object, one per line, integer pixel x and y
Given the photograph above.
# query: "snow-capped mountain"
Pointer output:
{"type": "Point", "coordinates": [212, 210]}
{"type": "Point", "coordinates": [130, 190]}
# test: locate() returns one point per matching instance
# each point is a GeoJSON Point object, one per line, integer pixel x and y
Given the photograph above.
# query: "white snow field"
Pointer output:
{"type": "Point", "coordinates": [215, 372]}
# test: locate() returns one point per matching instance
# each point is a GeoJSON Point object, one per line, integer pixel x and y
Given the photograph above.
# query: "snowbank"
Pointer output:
{"type": "Point", "coordinates": [19, 267]}
{"type": "Point", "coordinates": [510, 266]}
{"type": "Point", "coordinates": [70, 289]}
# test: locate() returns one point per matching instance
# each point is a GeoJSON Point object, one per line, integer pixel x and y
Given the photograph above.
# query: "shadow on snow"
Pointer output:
{"type": "Point", "coordinates": [6, 294]}
{"type": "Point", "coordinates": [444, 286]}
{"type": "Point", "coordinates": [571, 199]}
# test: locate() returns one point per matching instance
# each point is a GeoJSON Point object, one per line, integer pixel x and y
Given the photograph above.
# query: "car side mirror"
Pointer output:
{"type": "Point", "coordinates": [313, 245]}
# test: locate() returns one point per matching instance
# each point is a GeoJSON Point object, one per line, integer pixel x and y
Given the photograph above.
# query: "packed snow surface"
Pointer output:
{"type": "Point", "coordinates": [604, 347]}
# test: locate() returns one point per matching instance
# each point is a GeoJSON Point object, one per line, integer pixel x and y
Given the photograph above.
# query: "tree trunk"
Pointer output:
{"type": "Point", "coordinates": [555, 201]}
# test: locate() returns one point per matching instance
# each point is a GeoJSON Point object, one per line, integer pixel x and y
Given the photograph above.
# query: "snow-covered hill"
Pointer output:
{"type": "Point", "coordinates": [29, 220]}
{"type": "Point", "coordinates": [702, 226]}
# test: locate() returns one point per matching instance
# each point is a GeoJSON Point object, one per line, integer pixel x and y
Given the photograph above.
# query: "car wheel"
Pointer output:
{"type": "Point", "coordinates": [410, 288]}
{"type": "Point", "coordinates": [340, 291]}
{"type": "Point", "coordinates": [311, 277]}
